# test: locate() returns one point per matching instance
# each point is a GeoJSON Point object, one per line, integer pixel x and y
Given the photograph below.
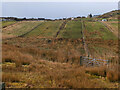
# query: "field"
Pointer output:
{"type": "Point", "coordinates": [101, 42]}
{"type": "Point", "coordinates": [6, 23]}
{"type": "Point", "coordinates": [47, 54]}
{"type": "Point", "coordinates": [47, 29]}
{"type": "Point", "coordinates": [19, 28]}
{"type": "Point", "coordinates": [113, 25]}
{"type": "Point", "coordinates": [73, 27]}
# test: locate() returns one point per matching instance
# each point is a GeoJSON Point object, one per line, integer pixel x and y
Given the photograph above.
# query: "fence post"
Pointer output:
{"type": "Point", "coordinates": [2, 86]}
{"type": "Point", "coordinates": [81, 61]}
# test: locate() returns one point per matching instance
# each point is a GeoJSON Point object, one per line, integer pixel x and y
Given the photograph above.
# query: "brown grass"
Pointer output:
{"type": "Point", "coordinates": [56, 67]}
{"type": "Point", "coordinates": [113, 76]}
{"type": "Point", "coordinates": [15, 56]}
{"type": "Point", "coordinates": [10, 77]}
{"type": "Point", "coordinates": [98, 71]}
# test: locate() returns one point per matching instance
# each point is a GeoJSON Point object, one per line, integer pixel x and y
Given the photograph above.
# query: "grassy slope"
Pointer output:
{"type": "Point", "coordinates": [113, 25]}
{"type": "Point", "coordinates": [113, 14]}
{"type": "Point", "coordinates": [97, 30]}
{"type": "Point", "coordinates": [100, 40]}
{"type": "Point", "coordinates": [23, 64]}
{"type": "Point", "coordinates": [6, 23]}
{"type": "Point", "coordinates": [22, 68]}
{"type": "Point", "coordinates": [20, 28]}
{"type": "Point", "coordinates": [72, 30]}
{"type": "Point", "coordinates": [47, 29]}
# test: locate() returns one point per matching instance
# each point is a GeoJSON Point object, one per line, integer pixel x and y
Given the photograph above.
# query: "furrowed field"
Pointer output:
{"type": "Point", "coordinates": [47, 54]}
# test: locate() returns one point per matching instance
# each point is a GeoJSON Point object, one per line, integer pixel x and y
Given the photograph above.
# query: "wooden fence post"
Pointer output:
{"type": "Point", "coordinates": [81, 61]}
{"type": "Point", "coordinates": [2, 86]}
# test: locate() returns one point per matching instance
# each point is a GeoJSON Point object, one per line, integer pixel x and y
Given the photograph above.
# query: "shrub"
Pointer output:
{"type": "Point", "coordinates": [97, 71]}
{"type": "Point", "coordinates": [8, 60]}
{"type": "Point", "coordinates": [25, 63]}
{"type": "Point", "coordinates": [112, 76]}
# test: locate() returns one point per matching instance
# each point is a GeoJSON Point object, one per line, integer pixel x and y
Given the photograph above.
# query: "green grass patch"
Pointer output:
{"type": "Point", "coordinates": [98, 30]}
{"type": "Point", "coordinates": [46, 29]}
{"type": "Point", "coordinates": [6, 23]}
{"type": "Point", "coordinates": [72, 30]}
{"type": "Point", "coordinates": [21, 28]}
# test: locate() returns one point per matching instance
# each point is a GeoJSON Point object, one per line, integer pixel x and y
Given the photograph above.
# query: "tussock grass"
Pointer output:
{"type": "Point", "coordinates": [111, 75]}
{"type": "Point", "coordinates": [10, 77]}
{"type": "Point", "coordinates": [98, 71]}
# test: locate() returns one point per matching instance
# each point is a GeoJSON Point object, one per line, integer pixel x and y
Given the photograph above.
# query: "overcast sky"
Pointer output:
{"type": "Point", "coordinates": [59, 0]}
{"type": "Point", "coordinates": [56, 9]}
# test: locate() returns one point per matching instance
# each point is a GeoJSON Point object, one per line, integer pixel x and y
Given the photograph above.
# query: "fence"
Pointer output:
{"type": "Point", "coordinates": [87, 61]}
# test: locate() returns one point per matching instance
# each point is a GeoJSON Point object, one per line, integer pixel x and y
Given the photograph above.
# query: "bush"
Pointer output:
{"type": "Point", "coordinates": [8, 60]}
{"type": "Point", "coordinates": [97, 71]}
{"type": "Point", "coordinates": [112, 76]}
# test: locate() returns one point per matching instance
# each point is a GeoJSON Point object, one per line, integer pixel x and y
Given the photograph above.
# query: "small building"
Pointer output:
{"type": "Point", "coordinates": [104, 20]}
{"type": "Point", "coordinates": [72, 18]}
{"type": "Point", "coordinates": [96, 15]}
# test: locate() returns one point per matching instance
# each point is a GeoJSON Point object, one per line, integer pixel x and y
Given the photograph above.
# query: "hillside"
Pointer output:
{"type": "Point", "coordinates": [79, 53]}
{"type": "Point", "coordinates": [112, 14]}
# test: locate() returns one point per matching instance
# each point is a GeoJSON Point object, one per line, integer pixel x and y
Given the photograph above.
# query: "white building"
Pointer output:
{"type": "Point", "coordinates": [72, 18]}
{"type": "Point", "coordinates": [104, 19]}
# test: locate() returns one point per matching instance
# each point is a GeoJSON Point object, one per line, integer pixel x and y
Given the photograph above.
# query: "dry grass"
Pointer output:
{"type": "Point", "coordinates": [15, 56]}
{"type": "Point", "coordinates": [112, 75]}
{"type": "Point", "coordinates": [56, 67]}
{"type": "Point", "coordinates": [98, 71]}
{"type": "Point", "coordinates": [10, 77]}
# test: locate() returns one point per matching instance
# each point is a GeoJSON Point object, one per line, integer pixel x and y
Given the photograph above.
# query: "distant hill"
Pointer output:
{"type": "Point", "coordinates": [112, 14]}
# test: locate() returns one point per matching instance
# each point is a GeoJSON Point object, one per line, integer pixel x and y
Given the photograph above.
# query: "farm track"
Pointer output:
{"type": "Point", "coordinates": [61, 28]}
{"type": "Point", "coordinates": [83, 40]}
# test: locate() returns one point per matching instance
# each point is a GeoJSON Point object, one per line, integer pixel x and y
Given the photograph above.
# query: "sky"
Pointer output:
{"type": "Point", "coordinates": [59, 0]}
{"type": "Point", "coordinates": [56, 9]}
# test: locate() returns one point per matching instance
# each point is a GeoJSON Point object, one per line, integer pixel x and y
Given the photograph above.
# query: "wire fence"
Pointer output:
{"type": "Point", "coordinates": [87, 61]}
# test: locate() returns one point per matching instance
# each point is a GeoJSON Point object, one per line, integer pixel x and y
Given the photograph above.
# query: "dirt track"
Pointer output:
{"type": "Point", "coordinates": [61, 28]}
{"type": "Point", "coordinates": [84, 43]}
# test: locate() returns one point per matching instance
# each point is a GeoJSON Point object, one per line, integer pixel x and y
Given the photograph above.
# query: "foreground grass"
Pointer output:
{"type": "Point", "coordinates": [61, 50]}
{"type": "Point", "coordinates": [23, 70]}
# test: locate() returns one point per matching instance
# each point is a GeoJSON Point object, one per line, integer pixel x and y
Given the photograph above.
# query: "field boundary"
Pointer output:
{"type": "Point", "coordinates": [87, 61]}
{"type": "Point", "coordinates": [61, 28]}
{"type": "Point", "coordinates": [30, 30]}
{"type": "Point", "coordinates": [83, 39]}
